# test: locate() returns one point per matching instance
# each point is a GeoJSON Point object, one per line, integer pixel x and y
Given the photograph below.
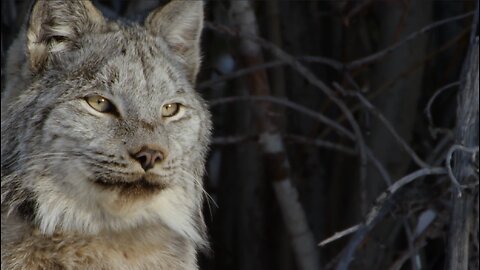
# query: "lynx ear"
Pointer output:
{"type": "Point", "coordinates": [180, 23]}
{"type": "Point", "coordinates": [55, 25]}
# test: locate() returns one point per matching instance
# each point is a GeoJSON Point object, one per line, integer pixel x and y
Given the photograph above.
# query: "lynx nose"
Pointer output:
{"type": "Point", "coordinates": [147, 157]}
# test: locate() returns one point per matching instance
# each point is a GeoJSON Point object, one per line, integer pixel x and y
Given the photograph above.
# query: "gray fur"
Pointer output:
{"type": "Point", "coordinates": [54, 147]}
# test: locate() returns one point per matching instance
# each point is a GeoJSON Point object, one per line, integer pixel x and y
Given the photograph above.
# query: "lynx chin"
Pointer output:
{"type": "Point", "coordinates": [104, 140]}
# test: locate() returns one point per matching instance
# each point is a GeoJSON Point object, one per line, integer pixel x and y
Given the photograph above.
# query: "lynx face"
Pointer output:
{"type": "Point", "coordinates": [108, 133]}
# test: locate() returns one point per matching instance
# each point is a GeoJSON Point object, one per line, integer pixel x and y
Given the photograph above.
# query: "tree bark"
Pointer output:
{"type": "Point", "coordinates": [463, 214]}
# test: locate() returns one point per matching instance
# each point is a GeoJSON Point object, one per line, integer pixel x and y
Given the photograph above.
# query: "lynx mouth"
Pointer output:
{"type": "Point", "coordinates": [140, 187]}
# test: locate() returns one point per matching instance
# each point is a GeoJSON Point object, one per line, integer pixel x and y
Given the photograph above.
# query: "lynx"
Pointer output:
{"type": "Point", "coordinates": [104, 140]}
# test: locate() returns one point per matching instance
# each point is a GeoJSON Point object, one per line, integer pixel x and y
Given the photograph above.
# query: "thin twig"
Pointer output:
{"type": "Point", "coordinates": [225, 140]}
{"type": "Point", "coordinates": [420, 63]}
{"type": "Point", "coordinates": [320, 143]}
{"type": "Point", "coordinates": [239, 73]}
{"type": "Point", "coordinates": [379, 115]}
{"type": "Point", "coordinates": [397, 265]}
{"type": "Point", "coordinates": [411, 244]}
{"type": "Point", "coordinates": [386, 123]}
{"type": "Point", "coordinates": [356, 10]}
{"type": "Point", "coordinates": [292, 138]}
{"type": "Point", "coordinates": [428, 111]}
{"type": "Point", "coordinates": [378, 55]}
{"type": "Point", "coordinates": [245, 71]}
{"type": "Point", "coordinates": [289, 104]}
{"type": "Point", "coordinates": [339, 235]}
{"type": "Point", "coordinates": [378, 165]}
{"type": "Point", "coordinates": [322, 60]}
{"type": "Point", "coordinates": [453, 148]}
{"type": "Point", "coordinates": [416, 65]}
{"type": "Point", "coordinates": [438, 154]}
{"type": "Point", "coordinates": [317, 142]}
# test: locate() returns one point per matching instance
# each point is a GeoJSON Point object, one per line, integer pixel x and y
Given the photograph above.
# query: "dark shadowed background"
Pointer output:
{"type": "Point", "coordinates": [319, 107]}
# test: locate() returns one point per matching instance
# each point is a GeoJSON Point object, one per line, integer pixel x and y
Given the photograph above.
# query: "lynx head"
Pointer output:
{"type": "Point", "coordinates": [108, 133]}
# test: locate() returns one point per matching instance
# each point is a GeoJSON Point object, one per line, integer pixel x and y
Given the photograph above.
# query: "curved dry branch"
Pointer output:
{"type": "Point", "coordinates": [379, 211]}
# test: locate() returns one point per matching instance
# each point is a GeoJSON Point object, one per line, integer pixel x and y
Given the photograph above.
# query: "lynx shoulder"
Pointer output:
{"type": "Point", "coordinates": [104, 140]}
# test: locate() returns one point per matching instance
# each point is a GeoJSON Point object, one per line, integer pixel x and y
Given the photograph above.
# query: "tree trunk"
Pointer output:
{"type": "Point", "coordinates": [464, 219]}
{"type": "Point", "coordinates": [275, 157]}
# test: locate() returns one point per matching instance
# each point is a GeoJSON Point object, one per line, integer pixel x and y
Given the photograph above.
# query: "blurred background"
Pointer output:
{"type": "Point", "coordinates": [319, 107]}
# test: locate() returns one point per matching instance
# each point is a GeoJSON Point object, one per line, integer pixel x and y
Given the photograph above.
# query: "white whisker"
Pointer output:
{"type": "Point", "coordinates": [201, 187]}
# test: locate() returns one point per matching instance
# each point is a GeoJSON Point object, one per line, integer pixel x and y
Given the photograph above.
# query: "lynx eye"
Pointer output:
{"type": "Point", "coordinates": [171, 109]}
{"type": "Point", "coordinates": [100, 104]}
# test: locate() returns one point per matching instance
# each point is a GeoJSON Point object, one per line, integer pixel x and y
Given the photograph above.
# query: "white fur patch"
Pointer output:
{"type": "Point", "coordinates": [90, 210]}
{"type": "Point", "coordinates": [174, 211]}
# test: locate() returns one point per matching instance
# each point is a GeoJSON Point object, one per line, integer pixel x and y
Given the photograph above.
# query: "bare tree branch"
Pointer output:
{"type": "Point", "coordinates": [397, 265]}
{"type": "Point", "coordinates": [339, 235]}
{"type": "Point", "coordinates": [356, 10]}
{"type": "Point", "coordinates": [245, 71]}
{"type": "Point", "coordinates": [428, 110]}
{"type": "Point", "coordinates": [378, 55]}
{"type": "Point", "coordinates": [388, 84]}
{"type": "Point", "coordinates": [379, 211]}
{"type": "Point", "coordinates": [378, 165]}
{"type": "Point", "coordinates": [320, 143]}
{"type": "Point", "coordinates": [289, 104]}
{"type": "Point", "coordinates": [292, 138]}
{"type": "Point", "coordinates": [239, 73]}
{"type": "Point", "coordinates": [225, 140]}
{"type": "Point", "coordinates": [387, 124]}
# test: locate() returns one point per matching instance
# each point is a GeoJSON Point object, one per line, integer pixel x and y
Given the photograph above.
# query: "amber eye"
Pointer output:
{"type": "Point", "coordinates": [100, 104]}
{"type": "Point", "coordinates": [171, 109]}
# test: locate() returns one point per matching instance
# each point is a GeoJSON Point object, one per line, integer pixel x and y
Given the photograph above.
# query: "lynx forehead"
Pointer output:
{"type": "Point", "coordinates": [103, 133]}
